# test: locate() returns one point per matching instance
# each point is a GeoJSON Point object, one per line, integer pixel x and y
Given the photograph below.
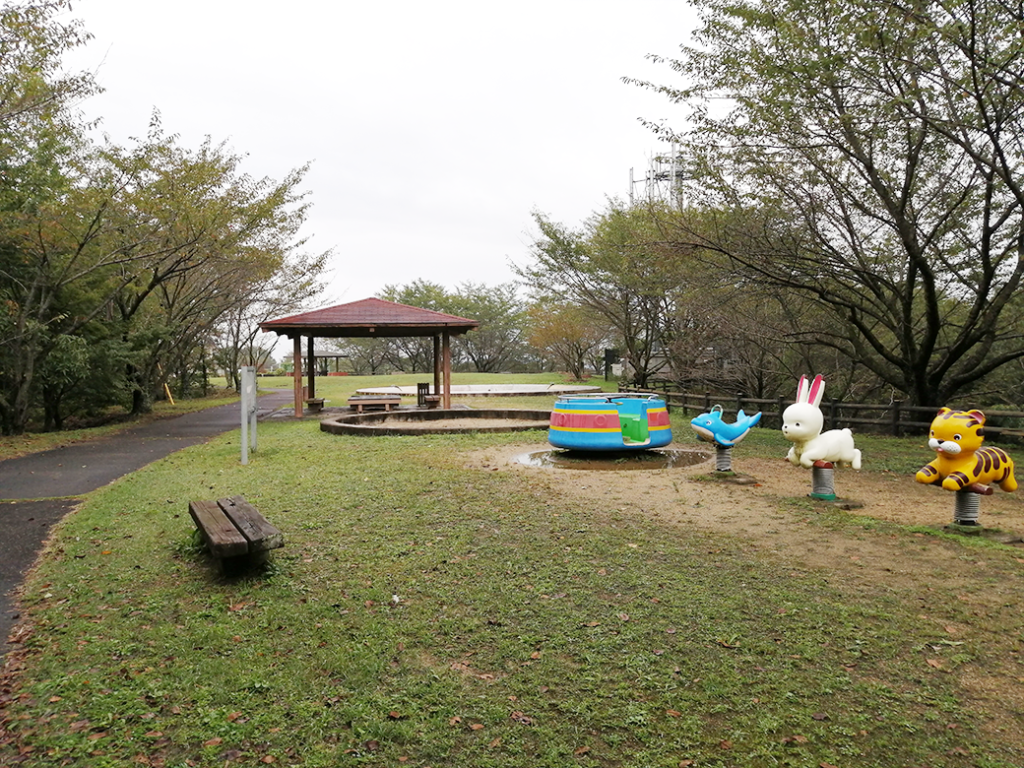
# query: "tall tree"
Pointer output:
{"type": "Point", "coordinates": [414, 354]}
{"type": "Point", "coordinates": [37, 135]}
{"type": "Point", "coordinates": [621, 266]}
{"type": "Point", "coordinates": [868, 156]}
{"type": "Point", "coordinates": [569, 334]}
{"type": "Point", "coordinates": [497, 344]}
{"type": "Point", "coordinates": [290, 289]}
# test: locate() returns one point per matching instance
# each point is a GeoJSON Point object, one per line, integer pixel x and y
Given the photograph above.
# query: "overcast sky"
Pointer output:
{"type": "Point", "coordinates": [434, 129]}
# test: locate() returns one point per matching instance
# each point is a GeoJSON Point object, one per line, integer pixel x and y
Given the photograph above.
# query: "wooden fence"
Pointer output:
{"type": "Point", "coordinates": [895, 418]}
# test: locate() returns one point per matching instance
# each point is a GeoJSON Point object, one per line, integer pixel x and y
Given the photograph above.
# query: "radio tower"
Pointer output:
{"type": "Point", "coordinates": [662, 180]}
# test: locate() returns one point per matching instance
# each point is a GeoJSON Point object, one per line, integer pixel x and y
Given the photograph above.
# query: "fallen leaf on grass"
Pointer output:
{"type": "Point", "coordinates": [934, 663]}
{"type": "Point", "coordinates": [673, 713]}
{"type": "Point", "coordinates": [476, 727]}
{"type": "Point", "coordinates": [819, 716]}
{"type": "Point", "coordinates": [581, 751]}
{"type": "Point", "coordinates": [216, 741]}
{"type": "Point", "coordinates": [521, 717]}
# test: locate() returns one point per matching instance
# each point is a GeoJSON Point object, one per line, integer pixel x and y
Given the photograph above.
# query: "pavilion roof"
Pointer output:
{"type": "Point", "coordinates": [369, 318]}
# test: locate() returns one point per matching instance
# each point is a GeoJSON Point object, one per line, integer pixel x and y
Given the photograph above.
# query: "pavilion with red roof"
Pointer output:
{"type": "Point", "coordinates": [367, 319]}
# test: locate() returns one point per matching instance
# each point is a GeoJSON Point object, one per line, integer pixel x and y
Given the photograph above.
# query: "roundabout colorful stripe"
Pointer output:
{"type": "Point", "coordinates": [610, 423]}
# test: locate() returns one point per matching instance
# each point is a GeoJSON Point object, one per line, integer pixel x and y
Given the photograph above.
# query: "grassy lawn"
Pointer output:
{"type": "Point", "coordinates": [424, 614]}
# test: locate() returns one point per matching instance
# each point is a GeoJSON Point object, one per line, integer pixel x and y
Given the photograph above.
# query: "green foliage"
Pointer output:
{"type": "Point", "coordinates": [136, 251]}
{"type": "Point", "coordinates": [618, 266]}
{"type": "Point", "coordinates": [866, 156]}
{"type": "Point", "coordinates": [496, 346]}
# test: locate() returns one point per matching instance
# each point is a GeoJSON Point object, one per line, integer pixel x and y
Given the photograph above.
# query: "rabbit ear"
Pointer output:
{"type": "Point", "coordinates": [801, 390]}
{"type": "Point", "coordinates": [817, 391]}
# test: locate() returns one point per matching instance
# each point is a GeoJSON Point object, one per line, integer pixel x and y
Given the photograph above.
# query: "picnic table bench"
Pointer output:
{"type": "Point", "coordinates": [234, 530]}
{"type": "Point", "coordinates": [358, 402]}
{"type": "Point", "coordinates": [423, 397]}
{"type": "Point", "coordinates": [315, 404]}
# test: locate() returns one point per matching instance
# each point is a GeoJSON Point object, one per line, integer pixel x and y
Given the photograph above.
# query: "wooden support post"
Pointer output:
{"type": "Point", "coordinates": [297, 374]}
{"type": "Point", "coordinates": [311, 362]}
{"type": "Point", "coordinates": [437, 364]}
{"type": "Point", "coordinates": [446, 357]}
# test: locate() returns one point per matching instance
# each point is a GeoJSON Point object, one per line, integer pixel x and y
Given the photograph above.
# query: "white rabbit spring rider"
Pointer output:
{"type": "Point", "coordinates": [812, 448]}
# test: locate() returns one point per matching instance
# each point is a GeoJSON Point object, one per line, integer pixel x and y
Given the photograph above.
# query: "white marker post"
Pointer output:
{"type": "Point", "coordinates": [248, 411]}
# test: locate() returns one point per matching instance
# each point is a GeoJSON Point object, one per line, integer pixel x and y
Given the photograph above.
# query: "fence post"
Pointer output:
{"type": "Point", "coordinates": [896, 417]}
{"type": "Point", "coordinates": [833, 408]}
{"type": "Point", "coordinates": [739, 405]}
{"type": "Point", "coordinates": [782, 407]}
{"type": "Point", "coordinates": [707, 401]}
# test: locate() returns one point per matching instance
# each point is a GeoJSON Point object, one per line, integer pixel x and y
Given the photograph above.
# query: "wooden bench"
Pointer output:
{"type": "Point", "coordinates": [424, 399]}
{"type": "Point", "coordinates": [315, 404]}
{"type": "Point", "coordinates": [387, 402]}
{"type": "Point", "coordinates": [235, 531]}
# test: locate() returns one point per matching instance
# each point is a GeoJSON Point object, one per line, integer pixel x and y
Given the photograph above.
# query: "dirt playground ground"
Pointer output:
{"type": "Point", "coordinates": [752, 509]}
{"type": "Point", "coordinates": [772, 516]}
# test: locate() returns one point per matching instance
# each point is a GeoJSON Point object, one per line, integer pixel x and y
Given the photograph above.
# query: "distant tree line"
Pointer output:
{"type": "Point", "coordinates": [515, 334]}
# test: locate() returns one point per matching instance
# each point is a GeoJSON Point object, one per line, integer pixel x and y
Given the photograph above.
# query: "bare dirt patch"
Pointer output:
{"type": "Point", "coordinates": [686, 495]}
{"type": "Point", "coordinates": [774, 517]}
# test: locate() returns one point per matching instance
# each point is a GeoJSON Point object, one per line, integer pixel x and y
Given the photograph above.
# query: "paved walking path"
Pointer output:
{"type": "Point", "coordinates": [38, 490]}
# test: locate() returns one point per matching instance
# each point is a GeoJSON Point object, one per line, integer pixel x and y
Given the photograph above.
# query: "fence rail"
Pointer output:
{"type": "Point", "coordinates": [896, 418]}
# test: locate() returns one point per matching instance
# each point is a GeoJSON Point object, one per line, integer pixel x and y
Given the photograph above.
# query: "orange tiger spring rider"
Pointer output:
{"type": "Point", "coordinates": [962, 464]}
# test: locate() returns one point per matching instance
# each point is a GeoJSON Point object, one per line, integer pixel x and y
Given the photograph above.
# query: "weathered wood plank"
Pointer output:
{"type": "Point", "coordinates": [222, 537]}
{"type": "Point", "coordinates": [257, 530]}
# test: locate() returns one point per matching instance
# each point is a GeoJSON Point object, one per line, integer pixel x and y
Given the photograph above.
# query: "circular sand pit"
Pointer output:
{"type": "Point", "coordinates": [437, 422]}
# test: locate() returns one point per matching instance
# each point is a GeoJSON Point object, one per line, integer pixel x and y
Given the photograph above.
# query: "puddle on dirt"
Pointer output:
{"type": "Point", "coordinates": [617, 461]}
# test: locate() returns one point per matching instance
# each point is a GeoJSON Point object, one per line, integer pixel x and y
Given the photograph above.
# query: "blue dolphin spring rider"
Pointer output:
{"type": "Point", "coordinates": [711, 428]}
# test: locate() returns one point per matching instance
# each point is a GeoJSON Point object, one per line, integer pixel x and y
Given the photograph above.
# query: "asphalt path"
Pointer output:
{"type": "Point", "coordinates": [37, 490]}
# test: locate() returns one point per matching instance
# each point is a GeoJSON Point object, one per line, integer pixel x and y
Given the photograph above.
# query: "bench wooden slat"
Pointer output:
{"type": "Point", "coordinates": [260, 533]}
{"type": "Point", "coordinates": [223, 538]}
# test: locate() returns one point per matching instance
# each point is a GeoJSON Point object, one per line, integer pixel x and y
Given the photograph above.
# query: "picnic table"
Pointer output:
{"type": "Point", "coordinates": [387, 402]}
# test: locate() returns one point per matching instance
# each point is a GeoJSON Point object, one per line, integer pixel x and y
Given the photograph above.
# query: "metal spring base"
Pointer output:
{"type": "Point", "coordinates": [723, 458]}
{"type": "Point", "coordinates": [823, 483]}
{"type": "Point", "coordinates": [966, 508]}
